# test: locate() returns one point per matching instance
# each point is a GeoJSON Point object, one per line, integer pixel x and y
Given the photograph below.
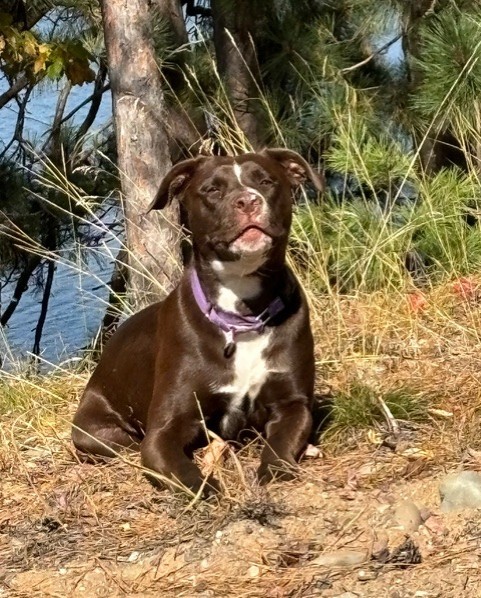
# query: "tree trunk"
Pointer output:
{"type": "Point", "coordinates": [234, 26]}
{"type": "Point", "coordinates": [143, 149]}
{"type": "Point", "coordinates": [185, 128]}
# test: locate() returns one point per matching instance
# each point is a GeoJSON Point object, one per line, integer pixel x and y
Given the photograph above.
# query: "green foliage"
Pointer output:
{"type": "Point", "coordinates": [25, 52]}
{"type": "Point", "coordinates": [444, 230]}
{"type": "Point", "coordinates": [375, 160]}
{"type": "Point", "coordinates": [450, 68]}
{"type": "Point", "coordinates": [359, 406]}
{"type": "Point", "coordinates": [362, 243]}
{"type": "Point", "coordinates": [352, 245]}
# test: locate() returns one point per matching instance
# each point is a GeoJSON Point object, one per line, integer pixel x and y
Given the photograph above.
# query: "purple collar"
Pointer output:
{"type": "Point", "coordinates": [230, 322]}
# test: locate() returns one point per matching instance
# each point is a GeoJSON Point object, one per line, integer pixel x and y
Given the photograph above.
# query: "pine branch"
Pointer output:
{"type": "Point", "coordinates": [373, 55]}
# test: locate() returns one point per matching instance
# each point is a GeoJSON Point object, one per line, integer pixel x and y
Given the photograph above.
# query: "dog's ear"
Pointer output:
{"type": "Point", "coordinates": [175, 182]}
{"type": "Point", "coordinates": [297, 169]}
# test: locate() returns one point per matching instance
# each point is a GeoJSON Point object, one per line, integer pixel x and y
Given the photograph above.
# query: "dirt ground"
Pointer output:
{"type": "Point", "coordinates": [73, 529]}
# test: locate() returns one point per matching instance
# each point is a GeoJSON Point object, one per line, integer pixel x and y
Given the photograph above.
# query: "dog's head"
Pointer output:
{"type": "Point", "coordinates": [239, 208]}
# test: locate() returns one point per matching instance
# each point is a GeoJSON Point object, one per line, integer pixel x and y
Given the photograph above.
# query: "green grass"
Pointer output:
{"type": "Point", "coordinates": [361, 244]}
{"type": "Point", "coordinates": [358, 406]}
{"type": "Point", "coordinates": [352, 243]}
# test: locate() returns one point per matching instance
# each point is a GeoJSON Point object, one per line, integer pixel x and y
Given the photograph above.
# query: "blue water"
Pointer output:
{"type": "Point", "coordinates": [79, 293]}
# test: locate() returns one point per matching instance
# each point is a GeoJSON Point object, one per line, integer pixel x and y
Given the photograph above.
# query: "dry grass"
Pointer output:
{"type": "Point", "coordinates": [69, 529]}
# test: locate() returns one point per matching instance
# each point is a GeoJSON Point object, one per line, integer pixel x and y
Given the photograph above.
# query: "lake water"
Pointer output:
{"type": "Point", "coordinates": [79, 291]}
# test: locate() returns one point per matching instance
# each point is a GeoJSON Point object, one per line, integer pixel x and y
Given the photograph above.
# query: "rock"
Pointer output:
{"type": "Point", "coordinates": [436, 525]}
{"type": "Point", "coordinates": [380, 551]}
{"type": "Point", "coordinates": [201, 586]}
{"type": "Point", "coordinates": [460, 490]}
{"type": "Point", "coordinates": [253, 571]}
{"type": "Point", "coordinates": [204, 564]}
{"type": "Point", "coordinates": [425, 513]}
{"type": "Point", "coordinates": [95, 578]}
{"type": "Point", "coordinates": [341, 558]}
{"type": "Point", "coordinates": [366, 574]}
{"type": "Point", "coordinates": [408, 516]}
{"type": "Point", "coordinates": [312, 452]}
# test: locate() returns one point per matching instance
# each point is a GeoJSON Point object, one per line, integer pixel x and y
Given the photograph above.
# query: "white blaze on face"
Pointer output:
{"type": "Point", "coordinates": [238, 175]}
{"type": "Point", "coordinates": [238, 172]}
{"type": "Point", "coordinates": [253, 242]}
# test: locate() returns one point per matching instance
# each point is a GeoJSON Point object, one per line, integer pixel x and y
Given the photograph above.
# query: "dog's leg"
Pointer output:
{"type": "Point", "coordinates": [287, 432]}
{"type": "Point", "coordinates": [98, 430]}
{"type": "Point", "coordinates": [163, 451]}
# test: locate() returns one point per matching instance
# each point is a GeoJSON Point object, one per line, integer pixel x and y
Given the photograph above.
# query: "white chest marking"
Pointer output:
{"type": "Point", "coordinates": [250, 368]}
{"type": "Point", "coordinates": [236, 289]}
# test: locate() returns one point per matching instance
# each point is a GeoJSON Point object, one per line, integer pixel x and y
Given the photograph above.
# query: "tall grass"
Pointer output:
{"type": "Point", "coordinates": [383, 229]}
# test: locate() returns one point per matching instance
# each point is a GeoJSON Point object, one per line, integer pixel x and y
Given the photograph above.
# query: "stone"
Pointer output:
{"type": "Point", "coordinates": [341, 558]}
{"type": "Point", "coordinates": [366, 574]}
{"type": "Point", "coordinates": [425, 513]}
{"type": "Point", "coordinates": [253, 571]}
{"type": "Point", "coordinates": [436, 525]}
{"type": "Point", "coordinates": [133, 557]}
{"type": "Point", "coordinates": [380, 551]}
{"type": "Point", "coordinates": [312, 452]}
{"type": "Point", "coordinates": [408, 516]}
{"type": "Point", "coordinates": [460, 491]}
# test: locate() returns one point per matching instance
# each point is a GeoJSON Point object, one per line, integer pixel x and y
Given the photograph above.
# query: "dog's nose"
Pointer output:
{"type": "Point", "coordinates": [248, 203]}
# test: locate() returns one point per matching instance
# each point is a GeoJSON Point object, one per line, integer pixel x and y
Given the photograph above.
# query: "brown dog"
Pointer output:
{"type": "Point", "coordinates": [231, 344]}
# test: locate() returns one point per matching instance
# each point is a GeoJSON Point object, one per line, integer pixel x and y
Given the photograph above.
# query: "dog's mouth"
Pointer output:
{"type": "Point", "coordinates": [251, 234]}
{"type": "Point", "coordinates": [251, 239]}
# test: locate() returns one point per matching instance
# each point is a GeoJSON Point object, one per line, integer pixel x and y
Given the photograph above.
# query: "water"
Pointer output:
{"type": "Point", "coordinates": [78, 298]}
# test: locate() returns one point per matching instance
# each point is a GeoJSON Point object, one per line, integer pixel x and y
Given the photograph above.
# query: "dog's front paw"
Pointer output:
{"type": "Point", "coordinates": [277, 470]}
{"type": "Point", "coordinates": [191, 481]}
{"type": "Point", "coordinates": [197, 483]}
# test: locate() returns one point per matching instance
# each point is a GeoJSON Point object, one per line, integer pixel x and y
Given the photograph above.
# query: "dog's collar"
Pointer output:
{"type": "Point", "coordinates": [230, 322]}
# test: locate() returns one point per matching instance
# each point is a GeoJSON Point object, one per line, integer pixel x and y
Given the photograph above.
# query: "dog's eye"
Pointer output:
{"type": "Point", "coordinates": [266, 183]}
{"type": "Point", "coordinates": [212, 189]}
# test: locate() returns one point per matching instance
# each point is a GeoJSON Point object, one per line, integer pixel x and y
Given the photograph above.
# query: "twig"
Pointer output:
{"type": "Point", "coordinates": [373, 55]}
{"type": "Point", "coordinates": [82, 104]}
{"type": "Point", "coordinates": [16, 88]}
{"type": "Point", "coordinates": [391, 420]}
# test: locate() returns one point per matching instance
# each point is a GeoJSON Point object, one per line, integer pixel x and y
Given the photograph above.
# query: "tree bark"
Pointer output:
{"type": "Point", "coordinates": [185, 129]}
{"type": "Point", "coordinates": [50, 243]}
{"type": "Point", "coordinates": [20, 84]}
{"type": "Point", "coordinates": [142, 146]}
{"type": "Point", "coordinates": [234, 26]}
